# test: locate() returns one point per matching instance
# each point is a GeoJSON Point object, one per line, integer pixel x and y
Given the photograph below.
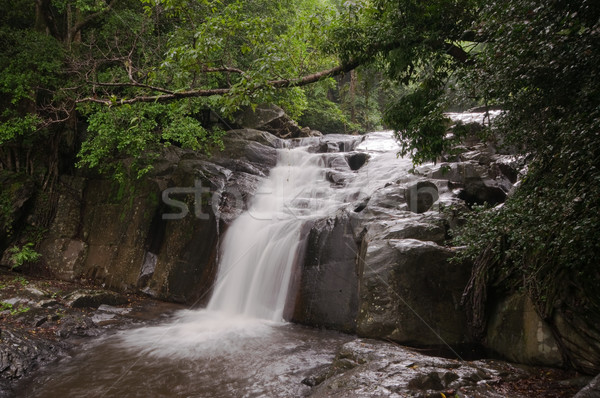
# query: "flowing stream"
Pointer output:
{"type": "Point", "coordinates": [240, 344]}
{"type": "Point", "coordinates": [261, 246]}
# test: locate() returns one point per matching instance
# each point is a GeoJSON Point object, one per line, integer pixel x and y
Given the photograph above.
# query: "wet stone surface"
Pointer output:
{"type": "Point", "coordinates": [65, 351]}
{"type": "Point", "coordinates": [41, 319]}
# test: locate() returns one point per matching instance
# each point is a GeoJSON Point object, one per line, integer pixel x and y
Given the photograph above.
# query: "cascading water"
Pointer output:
{"type": "Point", "coordinates": [261, 246]}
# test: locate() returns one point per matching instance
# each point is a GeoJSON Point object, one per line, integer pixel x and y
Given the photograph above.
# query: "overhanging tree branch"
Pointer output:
{"type": "Point", "coordinates": [170, 95]}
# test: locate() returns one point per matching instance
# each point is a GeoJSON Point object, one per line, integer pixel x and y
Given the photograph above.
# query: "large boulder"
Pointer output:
{"type": "Point", "coordinates": [421, 196]}
{"type": "Point", "coordinates": [93, 298]}
{"type": "Point", "coordinates": [63, 249]}
{"type": "Point", "coordinates": [370, 368]}
{"type": "Point", "coordinates": [579, 335]}
{"type": "Point", "coordinates": [270, 118]}
{"type": "Point", "coordinates": [410, 293]}
{"type": "Point", "coordinates": [327, 292]}
{"type": "Point", "coordinates": [516, 332]}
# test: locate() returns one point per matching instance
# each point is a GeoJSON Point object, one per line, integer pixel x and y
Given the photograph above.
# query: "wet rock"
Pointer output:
{"type": "Point", "coordinates": [35, 291]}
{"type": "Point", "coordinates": [344, 143]}
{"type": "Point", "coordinates": [327, 292]}
{"type": "Point", "coordinates": [319, 376]}
{"type": "Point", "coordinates": [386, 370]}
{"type": "Point", "coordinates": [517, 333]}
{"type": "Point", "coordinates": [93, 298]}
{"type": "Point", "coordinates": [19, 301]}
{"type": "Point", "coordinates": [114, 310]}
{"type": "Point", "coordinates": [38, 333]}
{"type": "Point", "coordinates": [250, 134]}
{"type": "Point", "coordinates": [308, 132]}
{"type": "Point", "coordinates": [39, 321]}
{"type": "Point", "coordinates": [457, 173]}
{"type": "Point", "coordinates": [260, 156]}
{"type": "Point", "coordinates": [389, 197]}
{"type": "Point", "coordinates": [337, 178]}
{"type": "Point", "coordinates": [20, 354]}
{"type": "Point", "coordinates": [357, 160]}
{"type": "Point", "coordinates": [421, 196]}
{"type": "Point", "coordinates": [319, 147]}
{"type": "Point", "coordinates": [429, 381]}
{"type": "Point", "coordinates": [419, 229]}
{"type": "Point", "coordinates": [72, 325]}
{"type": "Point", "coordinates": [410, 293]}
{"type": "Point", "coordinates": [101, 319]}
{"type": "Point", "coordinates": [478, 192]}
{"type": "Point", "coordinates": [148, 268]}
{"type": "Point", "coordinates": [48, 303]}
{"type": "Point", "coordinates": [269, 118]}
{"type": "Point", "coordinates": [592, 390]}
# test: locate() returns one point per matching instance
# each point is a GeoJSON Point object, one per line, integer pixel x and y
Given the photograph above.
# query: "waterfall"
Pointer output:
{"type": "Point", "coordinates": [260, 247]}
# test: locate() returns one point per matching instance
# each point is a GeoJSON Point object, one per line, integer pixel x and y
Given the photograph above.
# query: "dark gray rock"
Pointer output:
{"type": "Point", "coordinates": [357, 160]}
{"type": "Point", "coordinates": [250, 134]}
{"type": "Point", "coordinates": [592, 390]}
{"type": "Point", "coordinates": [368, 368]}
{"type": "Point", "coordinates": [327, 293]}
{"type": "Point", "coordinates": [414, 228]}
{"type": "Point", "coordinates": [421, 196]}
{"type": "Point", "coordinates": [390, 197]}
{"type": "Point", "coordinates": [93, 298]}
{"type": "Point", "coordinates": [20, 354]}
{"type": "Point", "coordinates": [478, 191]}
{"type": "Point", "coordinates": [516, 332]}
{"type": "Point", "coordinates": [411, 294]}
{"type": "Point", "coordinates": [270, 118]}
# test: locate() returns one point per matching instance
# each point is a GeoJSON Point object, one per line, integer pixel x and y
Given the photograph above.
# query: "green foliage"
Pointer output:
{"type": "Point", "coordinates": [412, 42]}
{"type": "Point", "coordinates": [124, 140]}
{"type": "Point", "coordinates": [4, 306]}
{"type": "Point", "coordinates": [541, 64]}
{"type": "Point", "coordinates": [21, 281]}
{"type": "Point", "coordinates": [29, 60]}
{"type": "Point", "coordinates": [323, 114]}
{"type": "Point", "coordinates": [22, 255]}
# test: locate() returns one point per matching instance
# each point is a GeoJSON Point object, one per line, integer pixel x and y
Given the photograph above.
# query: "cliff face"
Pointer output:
{"type": "Point", "coordinates": [159, 236]}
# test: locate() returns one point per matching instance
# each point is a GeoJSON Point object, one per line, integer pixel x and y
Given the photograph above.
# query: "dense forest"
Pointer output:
{"type": "Point", "coordinates": [103, 85]}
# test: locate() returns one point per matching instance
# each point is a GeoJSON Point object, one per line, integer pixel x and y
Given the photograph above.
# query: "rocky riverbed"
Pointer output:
{"type": "Point", "coordinates": [41, 319]}
{"type": "Point", "coordinates": [46, 320]}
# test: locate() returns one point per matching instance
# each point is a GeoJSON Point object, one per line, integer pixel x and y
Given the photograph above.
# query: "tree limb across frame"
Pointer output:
{"type": "Point", "coordinates": [170, 95]}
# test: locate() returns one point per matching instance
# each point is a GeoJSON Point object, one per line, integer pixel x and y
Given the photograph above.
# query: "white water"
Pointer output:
{"type": "Point", "coordinates": [261, 246]}
{"type": "Point", "coordinates": [259, 250]}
